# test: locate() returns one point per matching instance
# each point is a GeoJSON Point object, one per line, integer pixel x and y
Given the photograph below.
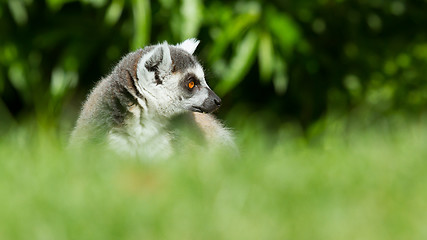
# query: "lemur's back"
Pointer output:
{"type": "Point", "coordinates": [107, 104]}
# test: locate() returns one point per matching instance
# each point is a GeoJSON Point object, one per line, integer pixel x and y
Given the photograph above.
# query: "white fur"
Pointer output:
{"type": "Point", "coordinates": [146, 140]}
{"type": "Point", "coordinates": [156, 95]}
{"type": "Point", "coordinates": [189, 45]}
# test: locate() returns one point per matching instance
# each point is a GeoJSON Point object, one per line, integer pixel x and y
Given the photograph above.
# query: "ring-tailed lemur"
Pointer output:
{"type": "Point", "coordinates": [130, 108]}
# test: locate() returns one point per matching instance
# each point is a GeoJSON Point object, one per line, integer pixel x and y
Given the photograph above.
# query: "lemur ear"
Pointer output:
{"type": "Point", "coordinates": [189, 45]}
{"type": "Point", "coordinates": [160, 59]}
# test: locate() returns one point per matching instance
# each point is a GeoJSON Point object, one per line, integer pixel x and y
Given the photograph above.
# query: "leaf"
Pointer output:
{"type": "Point", "coordinates": [17, 77]}
{"type": "Point", "coordinates": [285, 30]}
{"type": "Point", "coordinates": [18, 11]}
{"type": "Point", "coordinates": [114, 12]}
{"type": "Point", "coordinates": [240, 63]}
{"type": "Point", "coordinates": [142, 23]}
{"type": "Point", "coordinates": [230, 33]}
{"type": "Point", "coordinates": [191, 12]}
{"type": "Point", "coordinates": [55, 5]}
{"type": "Point", "coordinates": [61, 82]}
{"type": "Point", "coordinates": [95, 3]}
{"type": "Point", "coordinates": [280, 80]}
{"type": "Point", "coordinates": [266, 56]}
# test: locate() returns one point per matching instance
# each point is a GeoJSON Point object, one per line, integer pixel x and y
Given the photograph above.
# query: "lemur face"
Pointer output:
{"type": "Point", "coordinates": [196, 94]}
{"type": "Point", "coordinates": [174, 81]}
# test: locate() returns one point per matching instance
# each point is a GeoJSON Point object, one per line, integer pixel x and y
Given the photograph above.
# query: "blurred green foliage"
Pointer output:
{"type": "Point", "coordinates": [296, 59]}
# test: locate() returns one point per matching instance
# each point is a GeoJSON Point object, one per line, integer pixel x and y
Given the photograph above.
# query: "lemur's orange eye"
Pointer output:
{"type": "Point", "coordinates": [191, 84]}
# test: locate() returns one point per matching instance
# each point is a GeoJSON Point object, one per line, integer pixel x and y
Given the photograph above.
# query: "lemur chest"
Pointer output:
{"type": "Point", "coordinates": [141, 137]}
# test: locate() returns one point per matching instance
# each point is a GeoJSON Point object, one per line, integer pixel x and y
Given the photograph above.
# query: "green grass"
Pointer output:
{"type": "Point", "coordinates": [353, 184]}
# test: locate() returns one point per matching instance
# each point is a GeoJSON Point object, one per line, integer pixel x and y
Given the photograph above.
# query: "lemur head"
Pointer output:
{"type": "Point", "coordinates": [172, 80]}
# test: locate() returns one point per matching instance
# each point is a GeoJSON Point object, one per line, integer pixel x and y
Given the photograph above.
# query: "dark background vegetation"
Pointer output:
{"type": "Point", "coordinates": [279, 61]}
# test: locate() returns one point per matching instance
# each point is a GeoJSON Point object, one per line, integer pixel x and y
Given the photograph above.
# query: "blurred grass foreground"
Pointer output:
{"type": "Point", "coordinates": [365, 184]}
{"type": "Point", "coordinates": [328, 100]}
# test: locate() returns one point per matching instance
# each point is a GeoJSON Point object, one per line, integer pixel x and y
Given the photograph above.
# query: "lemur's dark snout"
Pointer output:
{"type": "Point", "coordinates": [218, 102]}
{"type": "Point", "coordinates": [211, 103]}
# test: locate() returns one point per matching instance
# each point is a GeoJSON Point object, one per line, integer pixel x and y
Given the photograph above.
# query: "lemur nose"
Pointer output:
{"type": "Point", "coordinates": [211, 103]}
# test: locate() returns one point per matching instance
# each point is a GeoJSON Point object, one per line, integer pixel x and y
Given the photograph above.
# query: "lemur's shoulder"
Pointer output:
{"type": "Point", "coordinates": [214, 130]}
